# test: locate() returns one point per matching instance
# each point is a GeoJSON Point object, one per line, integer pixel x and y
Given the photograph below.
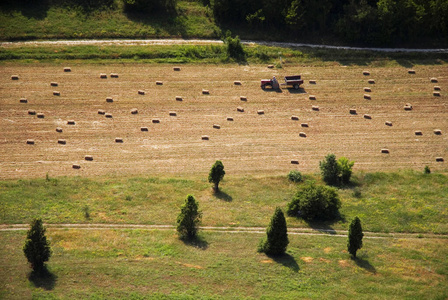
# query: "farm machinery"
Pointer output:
{"type": "Point", "coordinates": [294, 80]}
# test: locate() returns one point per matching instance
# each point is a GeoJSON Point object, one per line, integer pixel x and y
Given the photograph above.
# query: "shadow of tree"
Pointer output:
{"type": "Point", "coordinates": [223, 196]}
{"type": "Point", "coordinates": [365, 264]}
{"type": "Point", "coordinates": [286, 260]}
{"type": "Point", "coordinates": [44, 279]}
{"type": "Point", "coordinates": [326, 226]}
{"type": "Point", "coordinates": [197, 242]}
{"type": "Point", "coordinates": [28, 9]}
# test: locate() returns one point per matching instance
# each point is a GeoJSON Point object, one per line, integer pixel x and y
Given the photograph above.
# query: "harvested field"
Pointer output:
{"type": "Point", "coordinates": [249, 144]}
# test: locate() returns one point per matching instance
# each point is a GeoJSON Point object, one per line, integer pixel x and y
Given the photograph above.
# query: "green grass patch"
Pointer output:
{"type": "Point", "coordinates": [151, 264]}
{"type": "Point", "coordinates": [406, 201]}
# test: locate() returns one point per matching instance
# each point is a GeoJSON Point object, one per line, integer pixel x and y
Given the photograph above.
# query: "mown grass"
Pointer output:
{"type": "Point", "coordinates": [152, 264]}
{"type": "Point", "coordinates": [406, 201]}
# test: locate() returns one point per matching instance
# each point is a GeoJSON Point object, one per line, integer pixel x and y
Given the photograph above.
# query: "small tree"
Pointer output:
{"type": "Point", "coordinates": [189, 218]}
{"type": "Point", "coordinates": [345, 167]}
{"type": "Point", "coordinates": [354, 236]}
{"type": "Point", "coordinates": [216, 174]}
{"type": "Point", "coordinates": [294, 176]}
{"type": "Point", "coordinates": [427, 170]}
{"type": "Point", "coordinates": [330, 170]}
{"type": "Point", "coordinates": [37, 249]}
{"type": "Point", "coordinates": [235, 49]}
{"type": "Point", "coordinates": [277, 235]}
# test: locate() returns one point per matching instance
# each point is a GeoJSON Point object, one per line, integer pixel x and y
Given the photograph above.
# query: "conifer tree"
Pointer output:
{"type": "Point", "coordinates": [189, 218]}
{"type": "Point", "coordinates": [277, 235]}
{"type": "Point", "coordinates": [355, 236]}
{"type": "Point", "coordinates": [216, 174]}
{"type": "Point", "coordinates": [37, 249]}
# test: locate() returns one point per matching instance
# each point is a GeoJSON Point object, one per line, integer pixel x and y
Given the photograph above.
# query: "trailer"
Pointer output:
{"type": "Point", "coordinates": [294, 80]}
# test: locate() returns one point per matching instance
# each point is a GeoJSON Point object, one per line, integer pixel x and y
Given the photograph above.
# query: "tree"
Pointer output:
{"type": "Point", "coordinates": [37, 249]}
{"type": "Point", "coordinates": [345, 167]}
{"type": "Point", "coordinates": [189, 218]}
{"type": "Point", "coordinates": [330, 170]}
{"type": "Point", "coordinates": [234, 47]}
{"type": "Point", "coordinates": [354, 236]}
{"type": "Point", "coordinates": [294, 176]}
{"type": "Point", "coordinates": [277, 235]}
{"type": "Point", "coordinates": [216, 174]}
{"type": "Point", "coordinates": [315, 202]}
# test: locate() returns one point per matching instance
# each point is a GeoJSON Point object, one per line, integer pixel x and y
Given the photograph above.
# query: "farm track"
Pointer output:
{"type": "Point", "coordinates": [224, 229]}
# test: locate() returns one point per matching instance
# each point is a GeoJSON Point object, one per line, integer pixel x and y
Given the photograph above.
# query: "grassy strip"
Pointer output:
{"type": "Point", "coordinates": [406, 201]}
{"type": "Point", "coordinates": [137, 264]}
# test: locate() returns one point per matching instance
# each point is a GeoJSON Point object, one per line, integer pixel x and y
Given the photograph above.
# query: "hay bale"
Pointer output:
{"type": "Point", "coordinates": [418, 132]}
{"type": "Point", "coordinates": [216, 126]}
{"type": "Point", "coordinates": [439, 159]}
{"type": "Point", "coordinates": [365, 73]}
{"type": "Point", "coordinates": [14, 77]}
{"type": "Point", "coordinates": [118, 140]}
{"type": "Point", "coordinates": [408, 107]}
{"type": "Point", "coordinates": [437, 132]}
{"type": "Point", "coordinates": [54, 84]}
{"type": "Point", "coordinates": [58, 129]}
{"type": "Point", "coordinates": [23, 100]}
{"type": "Point", "coordinates": [62, 141]}
{"type": "Point", "coordinates": [88, 157]}
{"type": "Point", "coordinates": [294, 118]}
{"type": "Point", "coordinates": [70, 122]}
{"type": "Point", "coordinates": [76, 166]}
{"type": "Point", "coordinates": [437, 88]}
{"type": "Point", "coordinates": [134, 111]}
{"type": "Point", "coordinates": [176, 68]}
{"type": "Point", "coordinates": [67, 69]}
{"type": "Point", "coordinates": [385, 150]}
{"type": "Point", "coordinates": [371, 81]}
{"type": "Point", "coordinates": [313, 82]}
{"type": "Point", "coordinates": [302, 134]}
{"type": "Point", "coordinates": [108, 115]}
{"type": "Point", "coordinates": [205, 138]}
{"type": "Point", "coordinates": [30, 142]}
{"type": "Point", "coordinates": [205, 92]}
{"type": "Point", "coordinates": [312, 97]}
{"type": "Point", "coordinates": [141, 92]}
{"type": "Point", "coordinates": [367, 117]}
{"type": "Point", "coordinates": [436, 94]}
{"type": "Point", "coordinates": [31, 112]}
{"type": "Point", "coordinates": [367, 90]}
{"type": "Point", "coordinates": [40, 115]}
{"type": "Point", "coordinates": [155, 121]}
{"type": "Point", "coordinates": [172, 113]}
{"type": "Point", "coordinates": [270, 66]}
{"type": "Point", "coordinates": [159, 82]}
{"type": "Point", "coordinates": [103, 76]}
{"type": "Point", "coordinates": [304, 125]}
{"type": "Point", "coordinates": [434, 80]}
{"type": "Point", "coordinates": [113, 75]}
{"type": "Point", "coordinates": [109, 99]}
{"type": "Point", "coordinates": [388, 123]}
{"type": "Point", "coordinates": [315, 108]}
{"type": "Point", "coordinates": [367, 97]}
{"type": "Point", "coordinates": [56, 93]}
{"type": "Point", "coordinates": [260, 112]}
{"type": "Point", "coordinates": [143, 128]}
{"type": "Point", "coordinates": [101, 111]}
{"type": "Point", "coordinates": [229, 119]}
{"type": "Point", "coordinates": [411, 71]}
{"type": "Point", "coordinates": [179, 98]}
{"type": "Point", "coordinates": [237, 82]}
{"type": "Point", "coordinates": [243, 98]}
{"type": "Point", "coordinates": [353, 111]}
{"type": "Point", "coordinates": [294, 162]}
{"type": "Point", "coordinates": [240, 109]}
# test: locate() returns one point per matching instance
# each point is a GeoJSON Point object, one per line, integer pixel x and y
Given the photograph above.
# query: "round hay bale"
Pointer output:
{"type": "Point", "coordinates": [411, 71]}
{"type": "Point", "coordinates": [88, 157]}
{"type": "Point", "coordinates": [229, 119]}
{"type": "Point", "coordinates": [62, 141]}
{"type": "Point", "coordinates": [14, 77]}
{"type": "Point", "coordinates": [30, 142]}
{"type": "Point", "coordinates": [172, 113]}
{"type": "Point", "coordinates": [243, 98]}
{"type": "Point", "coordinates": [103, 76]}
{"type": "Point", "coordinates": [436, 94]}
{"type": "Point", "coordinates": [237, 82]}
{"type": "Point", "coordinates": [418, 132]}
{"type": "Point", "coordinates": [367, 90]}
{"type": "Point", "coordinates": [76, 166]}
{"type": "Point", "coordinates": [367, 117]}
{"type": "Point", "coordinates": [205, 138]}
{"type": "Point", "coordinates": [54, 84]}
{"type": "Point", "coordinates": [144, 129]}
{"type": "Point", "coordinates": [388, 123]}
{"type": "Point", "coordinates": [437, 88]}
{"type": "Point", "coordinates": [216, 126]}
{"type": "Point", "coordinates": [31, 112]}
{"type": "Point", "coordinates": [118, 140]}
{"type": "Point", "coordinates": [205, 92]}
{"type": "Point", "coordinates": [294, 162]}
{"type": "Point", "coordinates": [312, 97]}
{"type": "Point", "coordinates": [371, 81]}
{"type": "Point", "coordinates": [134, 111]}
{"type": "Point", "coordinates": [439, 159]}
{"type": "Point", "coordinates": [304, 125]}
{"type": "Point", "coordinates": [108, 115]}
{"type": "Point", "coordinates": [315, 108]}
{"type": "Point", "coordinates": [294, 118]}
{"type": "Point", "coordinates": [260, 112]}
{"type": "Point", "coordinates": [58, 129]}
{"type": "Point", "coordinates": [384, 150]}
{"type": "Point", "coordinates": [313, 82]}
{"type": "Point", "coordinates": [56, 93]}
{"type": "Point", "coordinates": [141, 92]}
{"type": "Point", "coordinates": [67, 69]}
{"type": "Point", "coordinates": [23, 100]}
{"type": "Point", "coordinates": [240, 109]}
{"type": "Point", "coordinates": [159, 82]}
{"type": "Point", "coordinates": [270, 66]}
{"type": "Point", "coordinates": [367, 97]}
{"type": "Point", "coordinates": [155, 121]}
{"type": "Point", "coordinates": [176, 68]}
{"type": "Point", "coordinates": [113, 75]}
{"type": "Point", "coordinates": [437, 132]}
{"type": "Point", "coordinates": [179, 98]}
{"type": "Point", "coordinates": [365, 73]}
{"type": "Point", "coordinates": [40, 115]}
{"type": "Point", "coordinates": [434, 80]}
{"type": "Point", "coordinates": [70, 122]}
{"type": "Point", "coordinates": [302, 134]}
{"type": "Point", "coordinates": [101, 111]}
{"type": "Point", "coordinates": [353, 111]}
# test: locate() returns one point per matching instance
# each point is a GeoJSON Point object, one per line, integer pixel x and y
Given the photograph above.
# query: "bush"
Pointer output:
{"type": "Point", "coordinates": [37, 249]}
{"type": "Point", "coordinates": [345, 167]}
{"type": "Point", "coordinates": [427, 170]}
{"type": "Point", "coordinates": [234, 47]}
{"type": "Point", "coordinates": [294, 176]}
{"type": "Point", "coordinates": [189, 218]}
{"type": "Point", "coordinates": [277, 235]}
{"type": "Point", "coordinates": [313, 202]}
{"type": "Point", "coordinates": [330, 170]}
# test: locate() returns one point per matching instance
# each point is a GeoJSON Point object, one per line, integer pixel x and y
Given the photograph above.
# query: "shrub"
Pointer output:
{"type": "Point", "coordinates": [427, 170]}
{"type": "Point", "coordinates": [276, 240]}
{"type": "Point", "coordinates": [330, 170]}
{"type": "Point", "coordinates": [312, 202]}
{"type": "Point", "coordinates": [216, 174]}
{"type": "Point", "coordinates": [355, 236]}
{"type": "Point", "coordinates": [345, 167]}
{"type": "Point", "coordinates": [294, 176]}
{"type": "Point", "coordinates": [37, 249]}
{"type": "Point", "coordinates": [234, 47]}
{"type": "Point", "coordinates": [189, 218]}
{"type": "Point", "coordinates": [149, 6]}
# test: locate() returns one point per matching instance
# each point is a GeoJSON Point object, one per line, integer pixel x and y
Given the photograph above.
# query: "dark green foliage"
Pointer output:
{"type": "Point", "coordinates": [294, 176]}
{"type": "Point", "coordinates": [315, 202]}
{"type": "Point", "coordinates": [216, 174]}
{"type": "Point", "coordinates": [354, 236]}
{"type": "Point", "coordinates": [330, 170]}
{"type": "Point", "coordinates": [150, 6]}
{"type": "Point", "coordinates": [37, 249]}
{"type": "Point", "coordinates": [189, 218]}
{"type": "Point", "coordinates": [277, 235]}
{"type": "Point", "coordinates": [345, 167]}
{"type": "Point", "coordinates": [234, 47]}
{"type": "Point", "coordinates": [427, 170]}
